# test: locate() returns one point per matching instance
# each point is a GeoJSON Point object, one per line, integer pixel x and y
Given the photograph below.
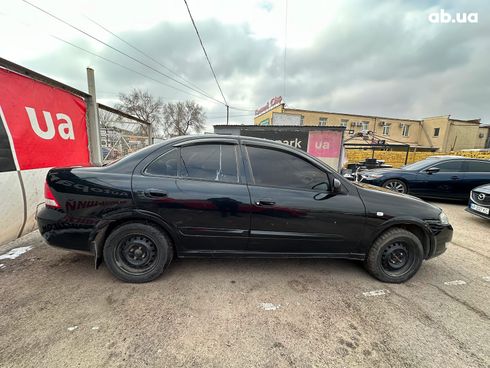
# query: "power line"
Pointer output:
{"type": "Point", "coordinates": [119, 51]}
{"type": "Point", "coordinates": [285, 50]}
{"type": "Point", "coordinates": [205, 53]}
{"type": "Point", "coordinates": [144, 54]}
{"type": "Point", "coordinates": [125, 67]}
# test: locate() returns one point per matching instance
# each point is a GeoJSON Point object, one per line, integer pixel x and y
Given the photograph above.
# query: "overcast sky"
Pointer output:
{"type": "Point", "coordinates": [364, 57]}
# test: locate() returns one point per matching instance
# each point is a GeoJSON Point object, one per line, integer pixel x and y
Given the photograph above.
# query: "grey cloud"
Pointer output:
{"type": "Point", "coordinates": [375, 57]}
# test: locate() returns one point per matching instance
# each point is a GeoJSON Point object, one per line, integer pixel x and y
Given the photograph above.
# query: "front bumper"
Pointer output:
{"type": "Point", "coordinates": [441, 235]}
{"type": "Point", "coordinates": [63, 231]}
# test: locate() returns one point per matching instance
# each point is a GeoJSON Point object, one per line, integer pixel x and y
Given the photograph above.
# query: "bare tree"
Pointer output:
{"type": "Point", "coordinates": [183, 118]}
{"type": "Point", "coordinates": [145, 106]}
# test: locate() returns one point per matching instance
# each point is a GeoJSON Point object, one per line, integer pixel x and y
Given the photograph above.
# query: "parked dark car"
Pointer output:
{"type": "Point", "coordinates": [479, 203]}
{"type": "Point", "coordinates": [222, 196]}
{"type": "Point", "coordinates": [442, 177]}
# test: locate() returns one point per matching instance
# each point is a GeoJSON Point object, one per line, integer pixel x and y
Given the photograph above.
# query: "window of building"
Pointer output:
{"type": "Point", "coordinates": [288, 170]}
{"type": "Point", "coordinates": [165, 165]}
{"type": "Point", "coordinates": [215, 162]}
{"type": "Point", "coordinates": [343, 122]}
{"type": "Point", "coordinates": [436, 132]}
{"type": "Point", "coordinates": [302, 120]}
{"type": "Point", "coordinates": [365, 125]}
{"type": "Point", "coordinates": [386, 130]}
{"type": "Point", "coordinates": [405, 130]}
{"type": "Point", "coordinates": [478, 166]}
{"type": "Point", "coordinates": [323, 121]}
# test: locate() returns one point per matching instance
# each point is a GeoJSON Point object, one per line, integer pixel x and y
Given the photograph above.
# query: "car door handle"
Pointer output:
{"type": "Point", "coordinates": [265, 202]}
{"type": "Point", "coordinates": [155, 193]}
{"type": "Point", "coordinates": [455, 177]}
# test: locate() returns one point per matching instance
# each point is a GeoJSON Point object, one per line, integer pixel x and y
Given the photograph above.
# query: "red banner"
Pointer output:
{"type": "Point", "coordinates": [47, 125]}
{"type": "Point", "coordinates": [325, 144]}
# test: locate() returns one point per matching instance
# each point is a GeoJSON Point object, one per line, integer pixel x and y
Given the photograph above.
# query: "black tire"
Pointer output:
{"type": "Point", "coordinates": [137, 252]}
{"type": "Point", "coordinates": [396, 185]}
{"type": "Point", "coordinates": [395, 256]}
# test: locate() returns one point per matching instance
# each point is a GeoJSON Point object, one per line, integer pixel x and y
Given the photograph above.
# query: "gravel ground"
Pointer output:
{"type": "Point", "coordinates": [57, 311]}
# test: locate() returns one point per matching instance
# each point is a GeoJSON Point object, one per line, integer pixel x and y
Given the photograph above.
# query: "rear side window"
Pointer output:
{"type": "Point", "coordinates": [277, 168]}
{"type": "Point", "coordinates": [214, 162]}
{"type": "Point", "coordinates": [478, 166]}
{"type": "Point", "coordinates": [449, 166]}
{"type": "Point", "coordinates": [166, 164]}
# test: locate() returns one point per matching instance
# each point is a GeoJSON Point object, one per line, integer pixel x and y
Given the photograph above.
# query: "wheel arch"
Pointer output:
{"type": "Point", "coordinates": [416, 226]}
{"type": "Point", "coordinates": [109, 224]}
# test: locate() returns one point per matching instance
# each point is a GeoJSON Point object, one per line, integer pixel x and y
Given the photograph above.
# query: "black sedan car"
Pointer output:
{"type": "Point", "coordinates": [479, 203]}
{"type": "Point", "coordinates": [222, 196]}
{"type": "Point", "coordinates": [442, 177]}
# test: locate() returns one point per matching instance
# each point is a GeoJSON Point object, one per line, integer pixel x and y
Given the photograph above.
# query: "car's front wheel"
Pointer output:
{"type": "Point", "coordinates": [395, 256]}
{"type": "Point", "coordinates": [137, 252]}
{"type": "Point", "coordinates": [396, 186]}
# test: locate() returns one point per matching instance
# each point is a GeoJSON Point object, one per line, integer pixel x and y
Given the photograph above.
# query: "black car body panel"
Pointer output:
{"type": "Point", "coordinates": [479, 202]}
{"type": "Point", "coordinates": [239, 218]}
{"type": "Point", "coordinates": [453, 183]}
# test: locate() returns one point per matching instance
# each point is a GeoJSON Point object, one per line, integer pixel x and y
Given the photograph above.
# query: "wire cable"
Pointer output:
{"type": "Point", "coordinates": [205, 53]}
{"type": "Point", "coordinates": [127, 68]}
{"type": "Point", "coordinates": [144, 54]}
{"type": "Point", "coordinates": [118, 51]}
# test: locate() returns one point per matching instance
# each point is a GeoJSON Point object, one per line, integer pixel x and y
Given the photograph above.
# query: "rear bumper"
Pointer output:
{"type": "Point", "coordinates": [63, 231]}
{"type": "Point", "coordinates": [442, 234]}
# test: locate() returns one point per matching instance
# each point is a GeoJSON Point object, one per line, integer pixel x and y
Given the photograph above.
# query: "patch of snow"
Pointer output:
{"type": "Point", "coordinates": [455, 282]}
{"type": "Point", "coordinates": [270, 306]}
{"type": "Point", "coordinates": [376, 292]}
{"type": "Point", "coordinates": [16, 252]}
{"type": "Point", "coordinates": [72, 328]}
{"type": "Point", "coordinates": [95, 328]}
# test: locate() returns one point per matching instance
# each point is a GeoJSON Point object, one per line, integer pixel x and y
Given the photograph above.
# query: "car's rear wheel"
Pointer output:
{"type": "Point", "coordinates": [137, 252]}
{"type": "Point", "coordinates": [395, 185]}
{"type": "Point", "coordinates": [395, 256]}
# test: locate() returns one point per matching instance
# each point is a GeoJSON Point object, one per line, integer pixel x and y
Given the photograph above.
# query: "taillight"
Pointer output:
{"type": "Point", "coordinates": [49, 199]}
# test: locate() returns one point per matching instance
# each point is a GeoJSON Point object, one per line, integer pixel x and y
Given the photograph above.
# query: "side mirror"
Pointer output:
{"type": "Point", "coordinates": [432, 170]}
{"type": "Point", "coordinates": [336, 185]}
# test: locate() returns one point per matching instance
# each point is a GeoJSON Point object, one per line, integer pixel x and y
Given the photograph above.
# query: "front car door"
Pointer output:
{"type": "Point", "coordinates": [446, 183]}
{"type": "Point", "coordinates": [198, 188]}
{"type": "Point", "coordinates": [294, 209]}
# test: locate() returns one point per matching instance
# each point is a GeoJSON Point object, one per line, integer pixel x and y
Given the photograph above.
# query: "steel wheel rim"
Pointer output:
{"type": "Point", "coordinates": [136, 254]}
{"type": "Point", "coordinates": [395, 186]}
{"type": "Point", "coordinates": [397, 258]}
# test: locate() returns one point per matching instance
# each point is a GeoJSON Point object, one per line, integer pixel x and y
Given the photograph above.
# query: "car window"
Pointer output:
{"type": "Point", "coordinates": [166, 164]}
{"type": "Point", "coordinates": [478, 166]}
{"type": "Point", "coordinates": [271, 167]}
{"type": "Point", "coordinates": [449, 166]}
{"type": "Point", "coordinates": [215, 162]}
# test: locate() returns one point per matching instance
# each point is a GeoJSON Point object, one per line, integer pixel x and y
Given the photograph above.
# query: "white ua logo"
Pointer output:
{"type": "Point", "coordinates": [65, 129]}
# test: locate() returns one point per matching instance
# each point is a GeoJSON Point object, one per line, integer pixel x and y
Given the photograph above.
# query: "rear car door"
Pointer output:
{"type": "Point", "coordinates": [477, 172]}
{"type": "Point", "coordinates": [294, 207]}
{"type": "Point", "coordinates": [448, 182]}
{"type": "Point", "coordinates": [198, 188]}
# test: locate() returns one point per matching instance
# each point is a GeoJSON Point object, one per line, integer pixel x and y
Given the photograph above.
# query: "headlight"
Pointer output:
{"type": "Point", "coordinates": [443, 218]}
{"type": "Point", "coordinates": [372, 176]}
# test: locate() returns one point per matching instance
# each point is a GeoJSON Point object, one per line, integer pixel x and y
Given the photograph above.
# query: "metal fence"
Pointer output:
{"type": "Point", "coordinates": [121, 134]}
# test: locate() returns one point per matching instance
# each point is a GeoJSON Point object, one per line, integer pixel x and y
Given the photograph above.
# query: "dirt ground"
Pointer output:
{"type": "Point", "coordinates": [57, 311]}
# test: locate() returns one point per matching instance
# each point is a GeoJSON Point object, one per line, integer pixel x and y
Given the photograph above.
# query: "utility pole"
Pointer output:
{"type": "Point", "coordinates": [227, 114]}
{"type": "Point", "coordinates": [94, 145]}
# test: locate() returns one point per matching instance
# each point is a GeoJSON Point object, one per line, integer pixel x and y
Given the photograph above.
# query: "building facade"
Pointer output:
{"type": "Point", "coordinates": [440, 133]}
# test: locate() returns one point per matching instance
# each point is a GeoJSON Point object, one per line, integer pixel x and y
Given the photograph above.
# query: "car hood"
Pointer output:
{"type": "Point", "coordinates": [392, 204]}
{"type": "Point", "coordinates": [483, 189]}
